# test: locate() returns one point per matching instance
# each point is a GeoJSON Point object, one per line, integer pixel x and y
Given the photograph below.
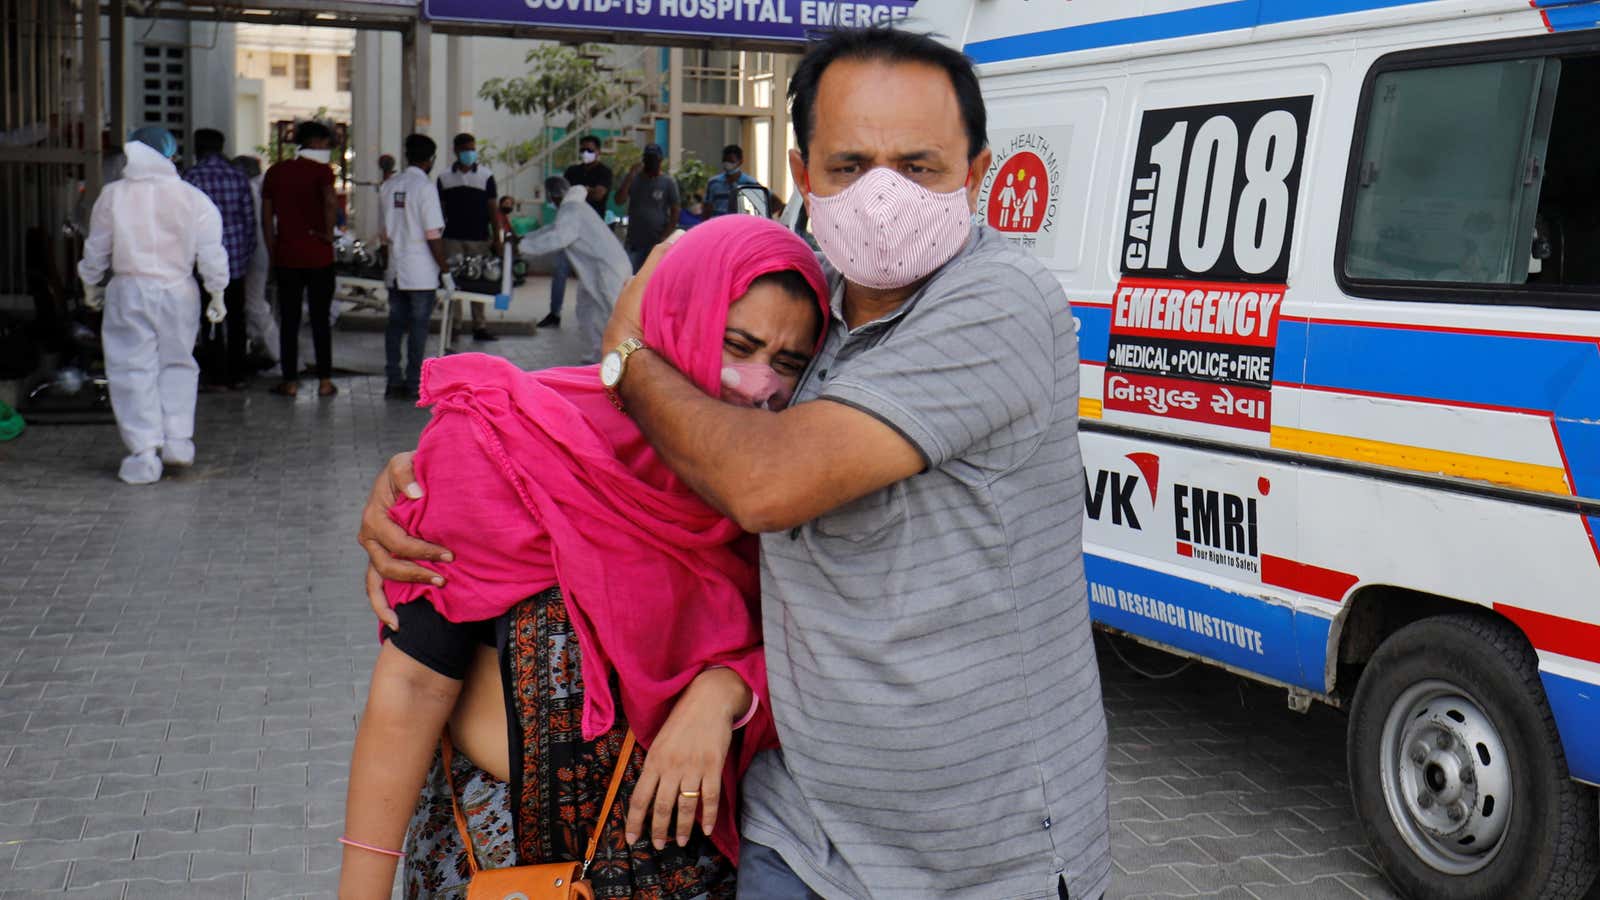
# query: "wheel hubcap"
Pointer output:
{"type": "Point", "coordinates": [1446, 777]}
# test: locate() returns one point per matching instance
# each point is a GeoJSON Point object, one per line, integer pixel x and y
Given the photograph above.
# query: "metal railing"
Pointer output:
{"type": "Point", "coordinates": [577, 128]}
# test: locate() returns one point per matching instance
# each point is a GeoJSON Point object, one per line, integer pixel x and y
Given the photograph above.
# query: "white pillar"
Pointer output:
{"type": "Point", "coordinates": [778, 137]}
{"type": "Point", "coordinates": [366, 123]}
{"type": "Point", "coordinates": [461, 86]}
{"type": "Point", "coordinates": [674, 108]}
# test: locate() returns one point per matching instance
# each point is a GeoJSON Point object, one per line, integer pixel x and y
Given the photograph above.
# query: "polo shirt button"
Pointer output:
{"type": "Point", "coordinates": [1047, 824]}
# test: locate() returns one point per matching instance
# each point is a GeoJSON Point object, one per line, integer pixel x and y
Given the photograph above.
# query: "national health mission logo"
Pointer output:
{"type": "Point", "coordinates": [1020, 191]}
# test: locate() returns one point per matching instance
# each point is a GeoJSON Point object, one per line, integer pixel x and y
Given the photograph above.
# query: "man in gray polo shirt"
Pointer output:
{"type": "Point", "coordinates": [929, 653]}
{"type": "Point", "coordinates": [927, 626]}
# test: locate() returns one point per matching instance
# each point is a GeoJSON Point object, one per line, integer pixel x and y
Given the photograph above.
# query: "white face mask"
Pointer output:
{"type": "Point", "coordinates": [588, 156]}
{"type": "Point", "coordinates": [323, 156]}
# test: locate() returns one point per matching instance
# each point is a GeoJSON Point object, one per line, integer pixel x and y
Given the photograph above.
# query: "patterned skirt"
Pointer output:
{"type": "Point", "coordinates": [558, 784]}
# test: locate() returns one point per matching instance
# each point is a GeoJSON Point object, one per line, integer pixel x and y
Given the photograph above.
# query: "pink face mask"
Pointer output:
{"type": "Point", "coordinates": [753, 384]}
{"type": "Point", "coordinates": [886, 231]}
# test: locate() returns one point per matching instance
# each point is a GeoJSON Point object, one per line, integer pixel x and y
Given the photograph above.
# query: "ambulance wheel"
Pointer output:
{"type": "Point", "coordinates": [1457, 772]}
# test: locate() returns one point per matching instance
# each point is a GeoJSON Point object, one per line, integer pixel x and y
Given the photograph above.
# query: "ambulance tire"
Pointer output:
{"type": "Point", "coordinates": [1481, 666]}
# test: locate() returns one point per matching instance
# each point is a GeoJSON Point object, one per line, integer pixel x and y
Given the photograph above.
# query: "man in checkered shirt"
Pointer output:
{"type": "Point", "coordinates": [229, 189]}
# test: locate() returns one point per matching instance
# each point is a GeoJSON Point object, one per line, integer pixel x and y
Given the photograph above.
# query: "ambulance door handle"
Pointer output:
{"type": "Point", "coordinates": [1369, 173]}
{"type": "Point", "coordinates": [1533, 171]}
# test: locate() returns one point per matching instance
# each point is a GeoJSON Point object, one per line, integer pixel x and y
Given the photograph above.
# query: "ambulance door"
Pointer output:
{"type": "Point", "coordinates": [1192, 528]}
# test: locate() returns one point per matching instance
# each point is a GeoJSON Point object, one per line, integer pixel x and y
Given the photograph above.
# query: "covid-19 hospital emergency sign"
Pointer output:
{"type": "Point", "coordinates": [772, 20]}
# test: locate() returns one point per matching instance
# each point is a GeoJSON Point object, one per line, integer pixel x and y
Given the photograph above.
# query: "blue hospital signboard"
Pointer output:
{"type": "Point", "coordinates": [772, 20]}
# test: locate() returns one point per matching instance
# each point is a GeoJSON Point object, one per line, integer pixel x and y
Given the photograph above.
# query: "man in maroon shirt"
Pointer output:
{"type": "Point", "coordinates": [297, 217]}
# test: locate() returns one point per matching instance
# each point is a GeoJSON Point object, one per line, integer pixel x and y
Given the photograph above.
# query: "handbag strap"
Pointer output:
{"type": "Point", "coordinates": [446, 751]}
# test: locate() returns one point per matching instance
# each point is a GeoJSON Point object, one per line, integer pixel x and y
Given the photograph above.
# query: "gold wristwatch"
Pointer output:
{"type": "Point", "coordinates": [615, 365]}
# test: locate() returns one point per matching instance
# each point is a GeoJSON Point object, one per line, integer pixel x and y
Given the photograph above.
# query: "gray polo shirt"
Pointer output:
{"type": "Point", "coordinates": [930, 660]}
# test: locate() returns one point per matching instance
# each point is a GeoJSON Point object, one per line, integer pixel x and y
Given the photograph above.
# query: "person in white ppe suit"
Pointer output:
{"type": "Point", "coordinates": [150, 230]}
{"type": "Point", "coordinates": [261, 325]}
{"type": "Point", "coordinates": [594, 253]}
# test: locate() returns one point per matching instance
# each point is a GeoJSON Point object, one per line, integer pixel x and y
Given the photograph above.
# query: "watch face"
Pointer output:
{"type": "Point", "coordinates": [611, 369]}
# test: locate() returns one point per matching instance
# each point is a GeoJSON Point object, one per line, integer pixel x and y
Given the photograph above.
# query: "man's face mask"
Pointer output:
{"type": "Point", "coordinates": [730, 165]}
{"type": "Point", "coordinates": [588, 156]}
{"type": "Point", "coordinates": [324, 155]}
{"type": "Point", "coordinates": [468, 157]}
{"type": "Point", "coordinates": [885, 231]}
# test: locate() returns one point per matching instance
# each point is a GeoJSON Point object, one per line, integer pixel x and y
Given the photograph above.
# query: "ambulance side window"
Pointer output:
{"type": "Point", "coordinates": [1477, 181]}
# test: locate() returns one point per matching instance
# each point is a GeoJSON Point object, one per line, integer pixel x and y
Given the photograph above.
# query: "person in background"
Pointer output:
{"type": "Point", "coordinates": [594, 177]}
{"type": "Point", "coordinates": [652, 198]}
{"type": "Point", "coordinates": [722, 191]}
{"type": "Point", "coordinates": [412, 226]}
{"type": "Point", "coordinates": [590, 252]}
{"type": "Point", "coordinates": [229, 189]}
{"type": "Point", "coordinates": [297, 218]}
{"type": "Point", "coordinates": [472, 222]}
{"type": "Point", "coordinates": [150, 230]}
{"type": "Point", "coordinates": [693, 212]}
{"type": "Point", "coordinates": [261, 323]}
{"type": "Point", "coordinates": [385, 167]}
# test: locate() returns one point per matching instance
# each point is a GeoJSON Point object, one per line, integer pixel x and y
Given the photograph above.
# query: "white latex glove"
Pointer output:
{"type": "Point", "coordinates": [447, 284]}
{"type": "Point", "coordinates": [94, 296]}
{"type": "Point", "coordinates": [216, 311]}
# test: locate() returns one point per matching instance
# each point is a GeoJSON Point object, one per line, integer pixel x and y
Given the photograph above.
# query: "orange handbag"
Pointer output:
{"type": "Point", "coordinates": [549, 881]}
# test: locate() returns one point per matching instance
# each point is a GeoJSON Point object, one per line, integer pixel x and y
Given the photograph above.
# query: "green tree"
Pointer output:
{"type": "Point", "coordinates": [565, 87]}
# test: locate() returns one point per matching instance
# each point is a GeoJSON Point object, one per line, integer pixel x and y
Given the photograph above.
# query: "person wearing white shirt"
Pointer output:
{"type": "Point", "coordinates": [593, 254]}
{"type": "Point", "coordinates": [150, 230]}
{"type": "Point", "coordinates": [413, 229]}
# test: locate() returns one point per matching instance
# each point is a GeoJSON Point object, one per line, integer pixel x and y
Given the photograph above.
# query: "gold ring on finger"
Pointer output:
{"type": "Point", "coordinates": [689, 795]}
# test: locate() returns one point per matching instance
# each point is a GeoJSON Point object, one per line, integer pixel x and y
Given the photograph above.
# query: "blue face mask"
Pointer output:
{"type": "Point", "coordinates": [468, 157]}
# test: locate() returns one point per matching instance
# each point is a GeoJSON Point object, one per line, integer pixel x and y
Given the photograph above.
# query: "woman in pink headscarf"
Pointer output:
{"type": "Point", "coordinates": [613, 594]}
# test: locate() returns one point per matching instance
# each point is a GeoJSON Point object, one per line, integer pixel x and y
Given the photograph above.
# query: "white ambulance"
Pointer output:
{"type": "Point", "coordinates": [1335, 267]}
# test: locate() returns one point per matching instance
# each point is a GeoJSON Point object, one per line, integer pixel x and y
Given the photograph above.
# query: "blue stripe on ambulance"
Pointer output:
{"type": "Point", "coordinates": [1245, 632]}
{"type": "Point", "coordinates": [1576, 705]}
{"type": "Point", "coordinates": [1570, 15]}
{"type": "Point", "coordinates": [1228, 16]}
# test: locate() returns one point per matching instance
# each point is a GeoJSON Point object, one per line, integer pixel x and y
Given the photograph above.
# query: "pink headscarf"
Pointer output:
{"type": "Point", "coordinates": [534, 479]}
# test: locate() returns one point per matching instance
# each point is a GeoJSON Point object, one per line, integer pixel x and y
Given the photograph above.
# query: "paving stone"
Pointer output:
{"type": "Point", "coordinates": [40, 853]}
{"type": "Point", "coordinates": [179, 820]}
{"type": "Point", "coordinates": [228, 887]}
{"type": "Point", "coordinates": [1342, 861]}
{"type": "Point", "coordinates": [1212, 877]}
{"type": "Point", "coordinates": [220, 840]}
{"type": "Point", "coordinates": [1169, 829]}
{"type": "Point", "coordinates": [1375, 887]}
{"type": "Point", "coordinates": [273, 885]}
{"type": "Point", "coordinates": [289, 861]}
{"type": "Point", "coordinates": [1327, 887]}
{"type": "Point", "coordinates": [89, 872]}
{"type": "Point", "coordinates": [50, 876]}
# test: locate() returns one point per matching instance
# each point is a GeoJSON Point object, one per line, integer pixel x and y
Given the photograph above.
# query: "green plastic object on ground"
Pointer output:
{"type": "Point", "coordinates": [11, 423]}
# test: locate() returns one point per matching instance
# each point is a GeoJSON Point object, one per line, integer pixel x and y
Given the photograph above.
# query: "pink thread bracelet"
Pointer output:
{"type": "Point", "coordinates": [360, 846]}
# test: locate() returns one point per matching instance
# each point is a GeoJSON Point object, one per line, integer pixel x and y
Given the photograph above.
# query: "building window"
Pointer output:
{"type": "Point", "coordinates": [342, 74]}
{"type": "Point", "coordinates": [1473, 180]}
{"type": "Point", "coordinates": [302, 72]}
{"type": "Point", "coordinates": [279, 65]}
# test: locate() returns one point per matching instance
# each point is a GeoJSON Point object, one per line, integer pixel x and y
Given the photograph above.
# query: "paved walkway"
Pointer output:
{"type": "Point", "coordinates": [181, 668]}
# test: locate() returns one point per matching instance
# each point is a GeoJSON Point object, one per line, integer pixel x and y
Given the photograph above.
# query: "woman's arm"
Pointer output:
{"type": "Point", "coordinates": [478, 724]}
{"type": "Point", "coordinates": [688, 755]}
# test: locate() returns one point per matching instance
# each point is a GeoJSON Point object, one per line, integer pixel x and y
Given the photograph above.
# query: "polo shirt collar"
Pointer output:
{"type": "Point", "coordinates": [836, 285]}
